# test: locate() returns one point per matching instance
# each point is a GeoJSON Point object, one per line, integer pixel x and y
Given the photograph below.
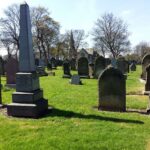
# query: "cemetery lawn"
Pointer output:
{"type": "Point", "coordinates": [75, 123]}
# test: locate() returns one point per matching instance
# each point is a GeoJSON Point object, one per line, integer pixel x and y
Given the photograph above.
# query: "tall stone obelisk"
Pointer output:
{"type": "Point", "coordinates": [28, 99]}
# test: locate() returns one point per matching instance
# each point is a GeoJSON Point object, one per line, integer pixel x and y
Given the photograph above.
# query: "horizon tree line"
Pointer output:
{"type": "Point", "coordinates": [109, 33]}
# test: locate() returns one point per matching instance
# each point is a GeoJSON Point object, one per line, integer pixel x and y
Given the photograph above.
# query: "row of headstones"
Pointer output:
{"type": "Point", "coordinates": [111, 81]}
{"type": "Point", "coordinates": [111, 88]}
{"type": "Point", "coordinates": [86, 70]}
{"type": "Point", "coordinates": [12, 66]}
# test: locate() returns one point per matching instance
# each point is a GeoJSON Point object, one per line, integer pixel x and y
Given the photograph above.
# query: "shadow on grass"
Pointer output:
{"type": "Point", "coordinates": [55, 112]}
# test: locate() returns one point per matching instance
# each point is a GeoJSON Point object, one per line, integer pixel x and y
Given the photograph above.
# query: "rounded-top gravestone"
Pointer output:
{"type": "Point", "coordinates": [54, 63]}
{"type": "Point", "coordinates": [66, 69]}
{"type": "Point", "coordinates": [122, 65]}
{"type": "Point", "coordinates": [145, 63]}
{"type": "Point", "coordinates": [112, 90]}
{"type": "Point", "coordinates": [83, 68]}
{"type": "Point", "coordinates": [100, 65]}
{"type": "Point", "coordinates": [11, 70]}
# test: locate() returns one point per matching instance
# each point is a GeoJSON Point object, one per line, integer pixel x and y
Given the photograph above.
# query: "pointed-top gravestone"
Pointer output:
{"type": "Point", "coordinates": [26, 57]}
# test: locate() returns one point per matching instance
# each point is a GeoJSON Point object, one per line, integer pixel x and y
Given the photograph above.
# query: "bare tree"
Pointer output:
{"type": "Point", "coordinates": [44, 28]}
{"type": "Point", "coordinates": [100, 47]}
{"type": "Point", "coordinates": [45, 31]}
{"type": "Point", "coordinates": [111, 33]}
{"type": "Point", "coordinates": [75, 40]}
{"type": "Point", "coordinates": [9, 28]}
{"type": "Point", "coordinates": [142, 49]}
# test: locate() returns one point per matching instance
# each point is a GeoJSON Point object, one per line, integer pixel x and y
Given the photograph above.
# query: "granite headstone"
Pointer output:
{"type": "Point", "coordinates": [100, 65]}
{"type": "Point", "coordinates": [11, 68]}
{"type": "Point", "coordinates": [112, 90]}
{"type": "Point", "coordinates": [83, 68]}
{"type": "Point", "coordinates": [66, 69]}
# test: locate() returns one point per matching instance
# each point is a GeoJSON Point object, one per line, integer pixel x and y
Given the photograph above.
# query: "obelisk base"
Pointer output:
{"type": "Point", "coordinates": [34, 110]}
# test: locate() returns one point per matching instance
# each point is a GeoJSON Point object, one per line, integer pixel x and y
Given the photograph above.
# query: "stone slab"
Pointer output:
{"type": "Point", "coordinates": [27, 97]}
{"type": "Point", "coordinates": [75, 79]}
{"type": "Point", "coordinates": [28, 110]}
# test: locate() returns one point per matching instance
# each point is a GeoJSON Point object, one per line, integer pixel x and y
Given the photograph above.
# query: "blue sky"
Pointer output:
{"type": "Point", "coordinates": [81, 14]}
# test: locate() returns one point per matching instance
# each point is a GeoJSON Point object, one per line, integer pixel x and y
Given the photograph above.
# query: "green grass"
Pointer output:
{"type": "Point", "coordinates": [75, 123]}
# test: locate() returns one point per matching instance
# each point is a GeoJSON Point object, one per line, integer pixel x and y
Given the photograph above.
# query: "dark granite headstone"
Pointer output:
{"type": "Point", "coordinates": [73, 64]}
{"type": "Point", "coordinates": [37, 62]}
{"type": "Point", "coordinates": [133, 67]}
{"type": "Point", "coordinates": [112, 90]}
{"type": "Point", "coordinates": [49, 66]}
{"type": "Point", "coordinates": [75, 79]}
{"type": "Point", "coordinates": [28, 99]}
{"type": "Point", "coordinates": [11, 68]}
{"type": "Point", "coordinates": [100, 65]}
{"type": "Point", "coordinates": [66, 69]}
{"type": "Point", "coordinates": [145, 63]}
{"type": "Point", "coordinates": [83, 67]}
{"type": "Point", "coordinates": [121, 65]}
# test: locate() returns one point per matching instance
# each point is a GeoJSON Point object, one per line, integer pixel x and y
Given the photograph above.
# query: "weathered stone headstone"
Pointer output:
{"type": "Point", "coordinates": [112, 90]}
{"type": "Point", "coordinates": [11, 68]}
{"type": "Point", "coordinates": [73, 64]}
{"type": "Point", "coordinates": [121, 65]}
{"type": "Point", "coordinates": [66, 69]}
{"type": "Point", "coordinates": [100, 65]}
{"type": "Point", "coordinates": [145, 63]}
{"type": "Point", "coordinates": [28, 99]}
{"type": "Point", "coordinates": [133, 67]}
{"type": "Point", "coordinates": [83, 67]}
{"type": "Point", "coordinates": [75, 79]}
